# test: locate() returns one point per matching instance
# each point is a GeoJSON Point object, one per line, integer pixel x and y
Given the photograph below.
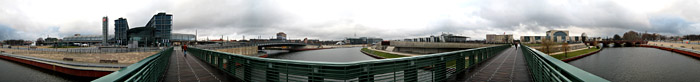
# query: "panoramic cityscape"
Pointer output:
{"type": "Point", "coordinates": [349, 41]}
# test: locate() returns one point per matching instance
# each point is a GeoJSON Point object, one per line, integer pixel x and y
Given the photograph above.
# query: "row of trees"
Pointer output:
{"type": "Point", "coordinates": [632, 35]}
{"type": "Point", "coordinates": [547, 46]}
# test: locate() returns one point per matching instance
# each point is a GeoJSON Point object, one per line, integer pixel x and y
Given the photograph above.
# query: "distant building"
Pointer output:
{"type": "Point", "coordinates": [91, 39]}
{"type": "Point", "coordinates": [441, 38]}
{"type": "Point", "coordinates": [177, 37]}
{"type": "Point", "coordinates": [104, 30]}
{"type": "Point", "coordinates": [143, 36]}
{"type": "Point", "coordinates": [362, 40]}
{"type": "Point", "coordinates": [162, 23]}
{"type": "Point", "coordinates": [120, 31]}
{"type": "Point", "coordinates": [156, 32]}
{"type": "Point", "coordinates": [559, 36]}
{"type": "Point", "coordinates": [499, 39]}
{"type": "Point", "coordinates": [16, 42]}
{"type": "Point", "coordinates": [281, 36]}
{"type": "Point", "coordinates": [50, 39]}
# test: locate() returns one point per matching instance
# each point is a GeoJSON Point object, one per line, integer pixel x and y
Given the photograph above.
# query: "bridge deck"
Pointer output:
{"type": "Point", "coordinates": [508, 66]}
{"type": "Point", "coordinates": [191, 69]}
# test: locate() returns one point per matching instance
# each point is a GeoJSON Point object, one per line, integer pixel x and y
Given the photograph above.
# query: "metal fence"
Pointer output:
{"type": "Point", "coordinates": [432, 67]}
{"type": "Point", "coordinates": [544, 68]}
{"type": "Point", "coordinates": [236, 45]}
{"type": "Point", "coordinates": [150, 69]}
{"type": "Point", "coordinates": [221, 46]}
{"type": "Point", "coordinates": [88, 50]}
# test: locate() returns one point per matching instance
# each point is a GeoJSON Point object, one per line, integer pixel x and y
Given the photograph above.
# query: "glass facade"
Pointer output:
{"type": "Point", "coordinates": [560, 35]}
{"type": "Point", "coordinates": [182, 37]}
{"type": "Point", "coordinates": [120, 31]}
{"type": "Point", "coordinates": [93, 38]}
{"type": "Point", "coordinates": [162, 23]}
{"type": "Point", "coordinates": [526, 39]}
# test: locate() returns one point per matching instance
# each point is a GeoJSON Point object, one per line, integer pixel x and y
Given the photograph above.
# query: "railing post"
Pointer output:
{"type": "Point", "coordinates": [219, 60]}
{"type": "Point", "coordinates": [411, 75]}
{"type": "Point", "coordinates": [247, 71]}
{"type": "Point", "coordinates": [478, 55]}
{"type": "Point", "coordinates": [271, 74]}
{"type": "Point", "coordinates": [472, 58]}
{"type": "Point", "coordinates": [365, 75]}
{"type": "Point", "coordinates": [440, 70]}
{"type": "Point", "coordinates": [483, 54]}
{"type": "Point", "coordinates": [315, 76]}
{"type": "Point", "coordinates": [231, 65]}
{"type": "Point", "coordinates": [461, 62]}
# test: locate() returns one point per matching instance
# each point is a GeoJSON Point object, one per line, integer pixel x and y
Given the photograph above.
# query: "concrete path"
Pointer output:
{"type": "Point", "coordinates": [555, 53]}
{"type": "Point", "coordinates": [508, 66]}
{"type": "Point", "coordinates": [397, 53]}
{"type": "Point", "coordinates": [190, 69]}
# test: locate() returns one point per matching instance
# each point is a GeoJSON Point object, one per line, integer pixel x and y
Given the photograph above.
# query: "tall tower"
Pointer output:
{"type": "Point", "coordinates": [120, 31]}
{"type": "Point", "coordinates": [104, 30]}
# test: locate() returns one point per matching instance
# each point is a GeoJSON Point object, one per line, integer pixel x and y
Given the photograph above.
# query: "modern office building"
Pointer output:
{"type": "Point", "coordinates": [362, 40]}
{"type": "Point", "coordinates": [142, 36]}
{"type": "Point", "coordinates": [87, 39]}
{"type": "Point", "coordinates": [157, 32]}
{"type": "Point", "coordinates": [499, 39]}
{"type": "Point", "coordinates": [441, 38]}
{"type": "Point", "coordinates": [104, 30]}
{"type": "Point", "coordinates": [281, 36]}
{"type": "Point", "coordinates": [559, 36]}
{"type": "Point", "coordinates": [162, 23]}
{"type": "Point", "coordinates": [182, 38]}
{"type": "Point", "coordinates": [120, 31]}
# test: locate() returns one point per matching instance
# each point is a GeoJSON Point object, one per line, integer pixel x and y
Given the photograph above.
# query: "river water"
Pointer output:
{"type": "Point", "coordinates": [326, 55]}
{"type": "Point", "coordinates": [18, 72]}
{"type": "Point", "coordinates": [639, 64]}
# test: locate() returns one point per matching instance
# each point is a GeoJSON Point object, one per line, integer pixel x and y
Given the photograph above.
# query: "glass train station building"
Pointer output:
{"type": "Point", "coordinates": [157, 32]}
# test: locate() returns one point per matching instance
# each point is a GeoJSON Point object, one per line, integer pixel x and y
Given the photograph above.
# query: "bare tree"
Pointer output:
{"type": "Point", "coordinates": [546, 45]}
{"type": "Point", "coordinates": [595, 43]}
{"type": "Point", "coordinates": [565, 47]}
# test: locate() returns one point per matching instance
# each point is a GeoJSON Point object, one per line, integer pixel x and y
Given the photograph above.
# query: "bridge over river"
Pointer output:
{"type": "Point", "coordinates": [494, 63]}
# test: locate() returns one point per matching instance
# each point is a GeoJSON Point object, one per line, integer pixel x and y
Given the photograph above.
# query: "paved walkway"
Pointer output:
{"type": "Point", "coordinates": [555, 53]}
{"type": "Point", "coordinates": [190, 69]}
{"type": "Point", "coordinates": [508, 66]}
{"type": "Point", "coordinates": [397, 53]}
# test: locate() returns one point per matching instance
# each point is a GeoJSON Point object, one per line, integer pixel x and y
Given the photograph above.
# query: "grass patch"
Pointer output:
{"type": "Point", "coordinates": [382, 54]}
{"type": "Point", "coordinates": [66, 47]}
{"type": "Point", "coordinates": [537, 45]}
{"type": "Point", "coordinates": [532, 45]}
{"type": "Point", "coordinates": [574, 54]}
{"type": "Point", "coordinates": [389, 55]}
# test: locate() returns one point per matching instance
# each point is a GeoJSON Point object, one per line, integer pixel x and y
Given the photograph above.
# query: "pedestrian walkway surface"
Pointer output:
{"type": "Point", "coordinates": [508, 66]}
{"type": "Point", "coordinates": [189, 69]}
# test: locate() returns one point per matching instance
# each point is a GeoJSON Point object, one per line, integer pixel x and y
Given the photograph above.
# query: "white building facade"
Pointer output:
{"type": "Point", "coordinates": [559, 36]}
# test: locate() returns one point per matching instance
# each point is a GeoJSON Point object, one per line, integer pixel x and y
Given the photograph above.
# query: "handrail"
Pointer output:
{"type": "Point", "coordinates": [545, 68]}
{"type": "Point", "coordinates": [150, 69]}
{"type": "Point", "coordinates": [431, 67]}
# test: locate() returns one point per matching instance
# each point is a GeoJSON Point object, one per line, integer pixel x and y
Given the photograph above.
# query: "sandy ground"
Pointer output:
{"type": "Point", "coordinates": [123, 58]}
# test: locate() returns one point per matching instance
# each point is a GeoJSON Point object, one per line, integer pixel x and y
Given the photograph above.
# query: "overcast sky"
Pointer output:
{"type": "Point", "coordinates": [337, 19]}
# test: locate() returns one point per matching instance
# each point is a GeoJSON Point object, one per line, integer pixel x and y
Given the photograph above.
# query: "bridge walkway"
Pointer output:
{"type": "Point", "coordinates": [508, 66]}
{"type": "Point", "coordinates": [190, 69]}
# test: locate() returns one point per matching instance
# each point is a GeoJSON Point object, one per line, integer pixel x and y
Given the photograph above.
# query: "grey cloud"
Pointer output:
{"type": "Point", "coordinates": [596, 14]}
{"type": "Point", "coordinates": [670, 24]}
{"type": "Point", "coordinates": [7, 33]}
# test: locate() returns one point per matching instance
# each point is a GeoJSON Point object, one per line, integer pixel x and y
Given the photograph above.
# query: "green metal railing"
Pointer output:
{"type": "Point", "coordinates": [544, 68]}
{"type": "Point", "coordinates": [432, 67]}
{"type": "Point", "coordinates": [150, 69]}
